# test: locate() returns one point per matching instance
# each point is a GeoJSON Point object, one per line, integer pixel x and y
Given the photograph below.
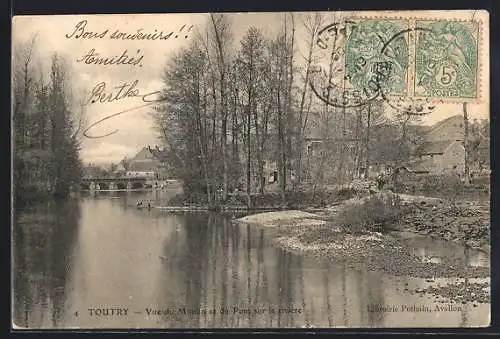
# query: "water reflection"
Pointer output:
{"type": "Point", "coordinates": [104, 253]}
{"type": "Point", "coordinates": [440, 251]}
{"type": "Point", "coordinates": [44, 238]}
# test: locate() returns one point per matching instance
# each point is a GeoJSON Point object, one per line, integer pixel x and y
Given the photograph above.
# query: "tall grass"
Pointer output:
{"type": "Point", "coordinates": [373, 213]}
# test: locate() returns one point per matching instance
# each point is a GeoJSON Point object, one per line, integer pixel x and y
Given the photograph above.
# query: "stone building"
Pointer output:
{"type": "Point", "coordinates": [443, 149]}
{"type": "Point", "coordinates": [148, 162]}
{"type": "Point", "coordinates": [440, 157]}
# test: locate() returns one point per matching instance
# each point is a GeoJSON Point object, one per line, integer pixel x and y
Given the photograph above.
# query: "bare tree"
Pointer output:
{"type": "Point", "coordinates": [22, 84]}
{"type": "Point", "coordinates": [312, 24]}
{"type": "Point", "coordinates": [282, 54]}
{"type": "Point", "coordinates": [255, 84]}
{"type": "Point", "coordinates": [223, 39]}
{"type": "Point", "coordinates": [187, 87]}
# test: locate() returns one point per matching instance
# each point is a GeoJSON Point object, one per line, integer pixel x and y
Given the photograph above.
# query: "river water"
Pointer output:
{"type": "Point", "coordinates": [195, 270]}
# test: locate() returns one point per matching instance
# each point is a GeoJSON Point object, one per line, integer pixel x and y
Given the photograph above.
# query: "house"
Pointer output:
{"type": "Point", "coordinates": [148, 162]}
{"type": "Point", "coordinates": [319, 143]}
{"type": "Point", "coordinates": [437, 149]}
{"type": "Point", "coordinates": [442, 150]}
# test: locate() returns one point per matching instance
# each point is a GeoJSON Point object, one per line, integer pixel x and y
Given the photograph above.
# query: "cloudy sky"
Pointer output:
{"type": "Point", "coordinates": [57, 33]}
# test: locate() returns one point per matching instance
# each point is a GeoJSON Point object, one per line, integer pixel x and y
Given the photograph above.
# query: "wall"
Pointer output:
{"type": "Point", "coordinates": [444, 163]}
{"type": "Point", "coordinates": [453, 156]}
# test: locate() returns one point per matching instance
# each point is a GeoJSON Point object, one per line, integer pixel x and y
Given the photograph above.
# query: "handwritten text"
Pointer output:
{"type": "Point", "coordinates": [94, 58]}
{"type": "Point", "coordinates": [100, 94]}
{"type": "Point", "coordinates": [80, 31]}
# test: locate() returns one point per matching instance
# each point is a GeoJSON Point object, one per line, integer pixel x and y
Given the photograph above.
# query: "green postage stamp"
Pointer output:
{"type": "Point", "coordinates": [369, 47]}
{"type": "Point", "coordinates": [428, 58]}
{"type": "Point", "coordinates": [446, 61]}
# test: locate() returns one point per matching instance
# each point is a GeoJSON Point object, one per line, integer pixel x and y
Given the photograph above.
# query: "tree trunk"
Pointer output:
{"type": "Point", "coordinates": [303, 120]}
{"type": "Point", "coordinates": [357, 152]}
{"type": "Point", "coordinates": [249, 113]}
{"type": "Point", "coordinates": [201, 135]}
{"type": "Point", "coordinates": [225, 165]}
{"type": "Point", "coordinates": [289, 120]}
{"type": "Point", "coordinates": [249, 175]}
{"type": "Point", "coordinates": [262, 149]}
{"type": "Point", "coordinates": [205, 166]}
{"type": "Point", "coordinates": [331, 72]}
{"type": "Point", "coordinates": [234, 141]}
{"type": "Point", "coordinates": [466, 145]}
{"type": "Point", "coordinates": [281, 158]}
{"type": "Point", "coordinates": [368, 123]}
{"type": "Point", "coordinates": [222, 70]}
{"type": "Point", "coordinates": [280, 162]}
{"type": "Point", "coordinates": [259, 152]}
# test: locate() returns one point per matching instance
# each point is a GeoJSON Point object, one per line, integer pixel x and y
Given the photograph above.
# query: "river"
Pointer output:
{"type": "Point", "coordinates": [193, 270]}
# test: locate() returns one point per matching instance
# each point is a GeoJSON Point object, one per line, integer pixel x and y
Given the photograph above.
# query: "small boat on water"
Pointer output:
{"type": "Point", "coordinates": [141, 205]}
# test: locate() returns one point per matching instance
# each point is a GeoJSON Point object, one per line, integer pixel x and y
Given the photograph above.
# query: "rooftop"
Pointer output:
{"type": "Point", "coordinates": [434, 147]}
{"type": "Point", "coordinates": [316, 127]}
{"type": "Point", "coordinates": [143, 166]}
{"type": "Point", "coordinates": [459, 118]}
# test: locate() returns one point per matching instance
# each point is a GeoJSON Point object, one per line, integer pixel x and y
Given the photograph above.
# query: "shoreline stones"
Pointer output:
{"type": "Point", "coordinates": [463, 222]}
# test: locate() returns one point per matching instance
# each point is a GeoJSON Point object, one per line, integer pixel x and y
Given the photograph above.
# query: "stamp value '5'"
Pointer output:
{"type": "Point", "coordinates": [446, 59]}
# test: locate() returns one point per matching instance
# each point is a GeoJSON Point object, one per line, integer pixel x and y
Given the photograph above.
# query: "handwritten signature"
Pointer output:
{"type": "Point", "coordinates": [100, 94]}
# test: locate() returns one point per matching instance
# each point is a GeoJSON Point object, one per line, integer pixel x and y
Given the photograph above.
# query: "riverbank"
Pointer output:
{"type": "Point", "coordinates": [323, 235]}
{"type": "Point", "coordinates": [305, 198]}
{"type": "Point", "coordinates": [467, 222]}
{"type": "Point", "coordinates": [268, 201]}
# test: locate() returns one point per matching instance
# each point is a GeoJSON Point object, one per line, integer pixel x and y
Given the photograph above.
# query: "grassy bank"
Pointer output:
{"type": "Point", "coordinates": [354, 212]}
{"type": "Point", "coordinates": [440, 186]}
{"type": "Point", "coordinates": [294, 199]}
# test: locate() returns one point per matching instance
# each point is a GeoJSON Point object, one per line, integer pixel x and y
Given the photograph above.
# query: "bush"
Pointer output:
{"type": "Point", "coordinates": [294, 199]}
{"type": "Point", "coordinates": [483, 180]}
{"type": "Point", "coordinates": [346, 193]}
{"type": "Point", "coordinates": [443, 183]}
{"type": "Point", "coordinates": [373, 213]}
{"type": "Point", "coordinates": [188, 199]}
{"type": "Point", "coordinates": [431, 183]}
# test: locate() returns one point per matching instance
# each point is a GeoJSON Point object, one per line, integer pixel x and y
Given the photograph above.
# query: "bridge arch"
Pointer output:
{"type": "Point", "coordinates": [103, 185]}
{"type": "Point", "coordinates": [113, 183]}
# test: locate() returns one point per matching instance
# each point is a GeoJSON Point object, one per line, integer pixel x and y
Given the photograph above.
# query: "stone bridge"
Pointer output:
{"type": "Point", "coordinates": [113, 183]}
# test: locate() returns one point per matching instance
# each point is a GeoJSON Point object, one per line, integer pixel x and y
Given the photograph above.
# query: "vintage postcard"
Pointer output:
{"type": "Point", "coordinates": [251, 170]}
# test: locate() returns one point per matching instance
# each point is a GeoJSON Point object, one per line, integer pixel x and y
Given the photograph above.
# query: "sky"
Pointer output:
{"type": "Point", "coordinates": [62, 34]}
